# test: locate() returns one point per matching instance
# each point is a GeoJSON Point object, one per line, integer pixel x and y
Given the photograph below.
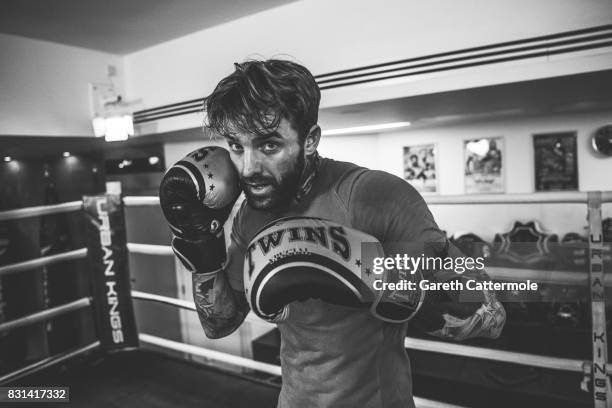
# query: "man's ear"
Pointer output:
{"type": "Point", "coordinates": [312, 140]}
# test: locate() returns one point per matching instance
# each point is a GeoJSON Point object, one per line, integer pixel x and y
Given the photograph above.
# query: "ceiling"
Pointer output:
{"type": "Point", "coordinates": [120, 26]}
{"type": "Point", "coordinates": [550, 96]}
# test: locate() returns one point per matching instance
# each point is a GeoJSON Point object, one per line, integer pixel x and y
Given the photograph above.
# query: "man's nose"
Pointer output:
{"type": "Point", "coordinates": [250, 164]}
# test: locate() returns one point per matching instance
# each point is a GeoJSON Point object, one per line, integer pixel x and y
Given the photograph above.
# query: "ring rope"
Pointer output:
{"type": "Point", "coordinates": [187, 305]}
{"type": "Point", "coordinates": [43, 261]}
{"type": "Point", "coordinates": [40, 210]}
{"type": "Point", "coordinates": [504, 274]}
{"type": "Point", "coordinates": [211, 354]}
{"type": "Point", "coordinates": [534, 360]}
{"type": "Point", "coordinates": [47, 362]}
{"type": "Point", "coordinates": [530, 198]}
{"type": "Point", "coordinates": [544, 276]}
{"type": "Point", "coordinates": [45, 314]}
{"type": "Point", "coordinates": [183, 304]}
{"type": "Point", "coordinates": [134, 201]}
{"type": "Point", "coordinates": [148, 249]}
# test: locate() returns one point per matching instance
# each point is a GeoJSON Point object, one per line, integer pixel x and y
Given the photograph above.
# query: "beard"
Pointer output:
{"type": "Point", "coordinates": [279, 192]}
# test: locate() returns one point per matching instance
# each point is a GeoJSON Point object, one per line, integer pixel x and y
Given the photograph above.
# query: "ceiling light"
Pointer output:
{"type": "Point", "coordinates": [7, 158]}
{"type": "Point", "coordinates": [113, 128]}
{"type": "Point", "coordinates": [153, 160]}
{"type": "Point", "coordinates": [124, 163]}
{"type": "Point", "coordinates": [365, 129]}
{"type": "Point", "coordinates": [66, 154]}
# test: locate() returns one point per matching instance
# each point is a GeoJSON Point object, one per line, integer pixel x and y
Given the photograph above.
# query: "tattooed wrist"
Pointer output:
{"type": "Point", "coordinates": [217, 305]}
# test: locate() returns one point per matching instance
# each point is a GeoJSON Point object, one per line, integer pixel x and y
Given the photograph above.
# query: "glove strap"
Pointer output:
{"type": "Point", "coordinates": [205, 256]}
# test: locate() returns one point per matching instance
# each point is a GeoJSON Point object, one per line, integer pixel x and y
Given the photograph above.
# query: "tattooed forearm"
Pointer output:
{"type": "Point", "coordinates": [221, 309]}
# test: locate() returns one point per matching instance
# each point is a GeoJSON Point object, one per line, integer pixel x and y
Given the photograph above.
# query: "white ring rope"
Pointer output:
{"type": "Point", "coordinates": [513, 357]}
{"type": "Point", "coordinates": [134, 201]}
{"type": "Point", "coordinates": [551, 276]}
{"type": "Point", "coordinates": [45, 314]}
{"type": "Point", "coordinates": [528, 198]}
{"type": "Point", "coordinates": [188, 305]}
{"type": "Point", "coordinates": [149, 249]}
{"type": "Point", "coordinates": [498, 273]}
{"type": "Point", "coordinates": [533, 360]}
{"type": "Point", "coordinates": [43, 261]}
{"type": "Point", "coordinates": [211, 354]}
{"type": "Point", "coordinates": [40, 210]}
{"type": "Point", "coordinates": [183, 304]}
{"type": "Point", "coordinates": [47, 362]}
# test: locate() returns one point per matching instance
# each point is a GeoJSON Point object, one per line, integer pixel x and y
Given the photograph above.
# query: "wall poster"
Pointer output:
{"type": "Point", "coordinates": [483, 168]}
{"type": "Point", "coordinates": [420, 167]}
{"type": "Point", "coordinates": [556, 161]}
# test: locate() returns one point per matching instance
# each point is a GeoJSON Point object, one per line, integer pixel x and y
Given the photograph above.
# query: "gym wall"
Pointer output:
{"type": "Point", "coordinates": [44, 86]}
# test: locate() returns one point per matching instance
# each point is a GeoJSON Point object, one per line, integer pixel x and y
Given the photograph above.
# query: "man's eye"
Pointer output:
{"type": "Point", "coordinates": [270, 147]}
{"type": "Point", "coordinates": [235, 147]}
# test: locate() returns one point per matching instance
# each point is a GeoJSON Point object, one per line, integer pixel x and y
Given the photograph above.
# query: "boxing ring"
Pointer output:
{"type": "Point", "coordinates": [595, 371]}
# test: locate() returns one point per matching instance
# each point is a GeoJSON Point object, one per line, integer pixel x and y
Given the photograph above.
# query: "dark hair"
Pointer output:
{"type": "Point", "coordinates": [258, 94]}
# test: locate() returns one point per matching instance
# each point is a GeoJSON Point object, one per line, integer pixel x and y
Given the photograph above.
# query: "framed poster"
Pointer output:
{"type": "Point", "coordinates": [483, 165]}
{"type": "Point", "coordinates": [420, 167]}
{"type": "Point", "coordinates": [556, 161]}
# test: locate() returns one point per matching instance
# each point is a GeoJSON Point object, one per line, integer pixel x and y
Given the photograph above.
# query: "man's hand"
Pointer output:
{"type": "Point", "coordinates": [486, 320]}
{"type": "Point", "coordinates": [301, 258]}
{"type": "Point", "coordinates": [196, 195]}
{"type": "Point", "coordinates": [459, 314]}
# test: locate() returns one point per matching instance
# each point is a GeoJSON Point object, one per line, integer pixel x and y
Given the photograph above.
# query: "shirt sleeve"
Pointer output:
{"type": "Point", "coordinates": [391, 210]}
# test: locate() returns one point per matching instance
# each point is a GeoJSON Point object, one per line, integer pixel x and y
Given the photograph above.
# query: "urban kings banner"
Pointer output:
{"type": "Point", "coordinates": [108, 256]}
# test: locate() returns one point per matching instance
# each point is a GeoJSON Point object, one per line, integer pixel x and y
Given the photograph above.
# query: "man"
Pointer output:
{"type": "Point", "coordinates": [332, 355]}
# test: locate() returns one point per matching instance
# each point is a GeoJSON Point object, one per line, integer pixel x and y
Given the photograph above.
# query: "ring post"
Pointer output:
{"type": "Point", "coordinates": [108, 256]}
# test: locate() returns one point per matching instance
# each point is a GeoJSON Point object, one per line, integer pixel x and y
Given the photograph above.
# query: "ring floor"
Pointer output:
{"type": "Point", "coordinates": [149, 379]}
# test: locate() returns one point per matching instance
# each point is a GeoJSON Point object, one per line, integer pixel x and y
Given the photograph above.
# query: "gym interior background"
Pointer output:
{"type": "Point", "coordinates": [455, 71]}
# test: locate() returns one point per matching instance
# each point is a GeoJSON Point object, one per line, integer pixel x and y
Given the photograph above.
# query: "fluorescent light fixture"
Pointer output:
{"type": "Point", "coordinates": [66, 154]}
{"type": "Point", "coordinates": [153, 160]}
{"type": "Point", "coordinates": [365, 129]}
{"type": "Point", "coordinates": [113, 128]}
{"type": "Point", "coordinates": [7, 158]}
{"type": "Point", "coordinates": [99, 126]}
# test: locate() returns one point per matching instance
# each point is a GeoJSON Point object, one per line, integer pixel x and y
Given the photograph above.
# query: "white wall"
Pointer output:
{"type": "Point", "coordinates": [332, 35]}
{"type": "Point", "coordinates": [44, 86]}
{"type": "Point", "coordinates": [592, 168]}
{"type": "Point", "coordinates": [385, 152]}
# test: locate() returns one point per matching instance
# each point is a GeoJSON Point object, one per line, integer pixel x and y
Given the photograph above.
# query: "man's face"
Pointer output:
{"type": "Point", "coordinates": [269, 166]}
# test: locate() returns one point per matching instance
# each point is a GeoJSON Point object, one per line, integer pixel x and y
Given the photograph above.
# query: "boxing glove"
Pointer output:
{"type": "Point", "coordinates": [196, 196]}
{"type": "Point", "coordinates": [301, 258]}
